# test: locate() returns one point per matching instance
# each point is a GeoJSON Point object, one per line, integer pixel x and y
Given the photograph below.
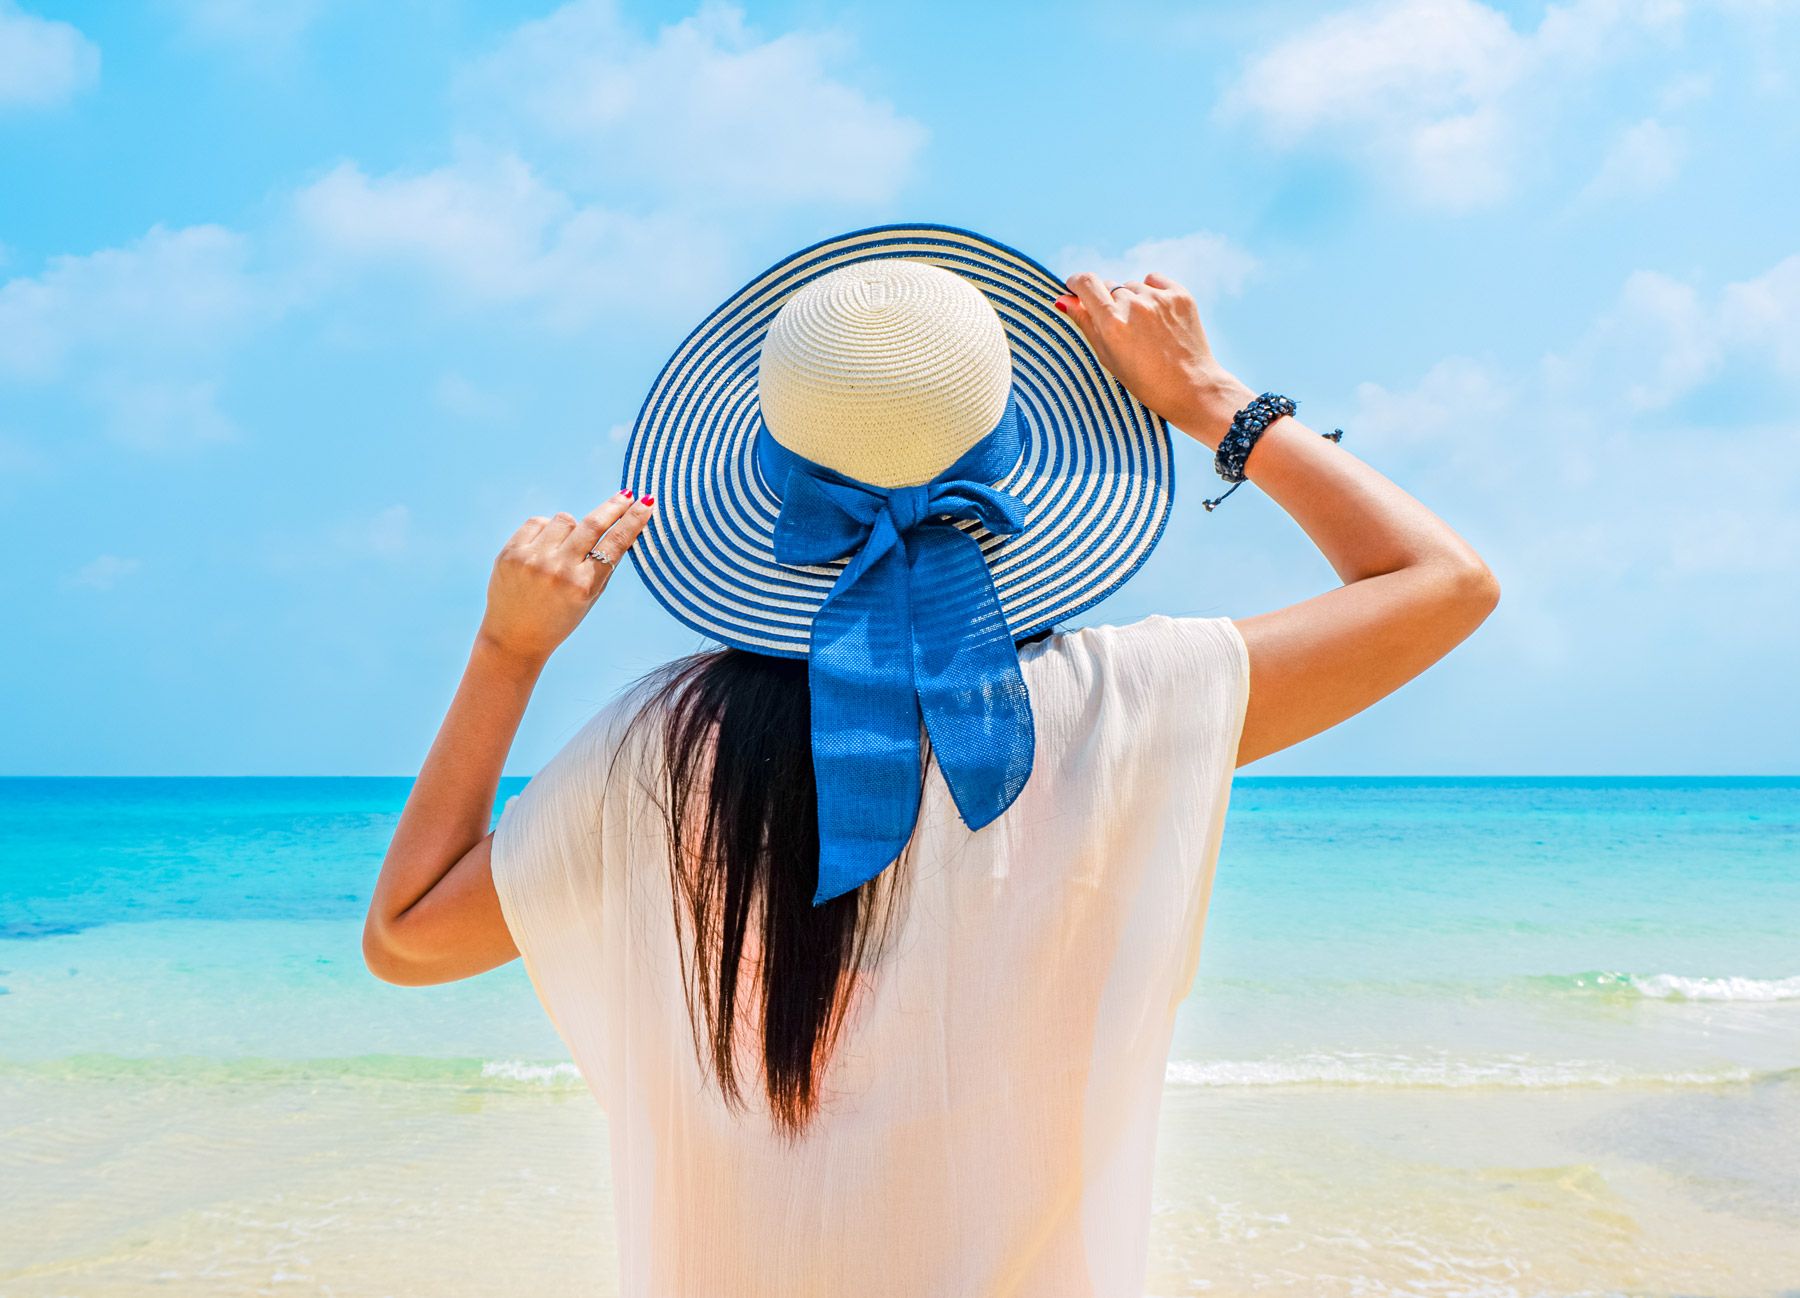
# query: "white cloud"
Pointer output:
{"type": "Point", "coordinates": [1645, 158]}
{"type": "Point", "coordinates": [43, 63]}
{"type": "Point", "coordinates": [1588, 30]}
{"type": "Point", "coordinates": [139, 331]}
{"type": "Point", "coordinates": [455, 395]}
{"type": "Point", "coordinates": [1443, 413]}
{"type": "Point", "coordinates": [1687, 88]}
{"type": "Point", "coordinates": [162, 413]}
{"type": "Point", "coordinates": [388, 535]}
{"type": "Point", "coordinates": [1209, 265]}
{"type": "Point", "coordinates": [385, 535]}
{"type": "Point", "coordinates": [1658, 339]}
{"type": "Point", "coordinates": [706, 107]}
{"type": "Point", "coordinates": [1575, 480]}
{"type": "Point", "coordinates": [171, 293]}
{"type": "Point", "coordinates": [690, 126]}
{"type": "Point", "coordinates": [1763, 314]}
{"type": "Point", "coordinates": [1662, 337]}
{"type": "Point", "coordinates": [1735, 538]}
{"type": "Point", "coordinates": [488, 229]}
{"type": "Point", "coordinates": [105, 572]}
{"type": "Point", "coordinates": [1444, 95]}
{"type": "Point", "coordinates": [1413, 60]}
{"type": "Point", "coordinates": [261, 29]}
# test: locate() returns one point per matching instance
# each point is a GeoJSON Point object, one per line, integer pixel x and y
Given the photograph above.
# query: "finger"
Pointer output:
{"type": "Point", "coordinates": [528, 531]}
{"type": "Point", "coordinates": [621, 534]}
{"type": "Point", "coordinates": [1162, 284]}
{"type": "Point", "coordinates": [582, 536]}
{"type": "Point", "coordinates": [551, 538]}
{"type": "Point", "coordinates": [1070, 305]}
{"type": "Point", "coordinates": [1091, 295]}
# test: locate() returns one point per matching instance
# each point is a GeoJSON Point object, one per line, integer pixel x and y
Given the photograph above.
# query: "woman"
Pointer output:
{"type": "Point", "coordinates": [876, 1011]}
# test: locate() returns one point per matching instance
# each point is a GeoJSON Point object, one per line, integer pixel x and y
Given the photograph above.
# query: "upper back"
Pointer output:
{"type": "Point", "coordinates": [987, 1116]}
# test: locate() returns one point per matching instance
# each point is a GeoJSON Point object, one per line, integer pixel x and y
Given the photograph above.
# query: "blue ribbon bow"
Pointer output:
{"type": "Point", "coordinates": [911, 629]}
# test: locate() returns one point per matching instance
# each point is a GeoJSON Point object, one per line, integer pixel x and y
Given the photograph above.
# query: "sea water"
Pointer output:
{"type": "Point", "coordinates": [1495, 1037]}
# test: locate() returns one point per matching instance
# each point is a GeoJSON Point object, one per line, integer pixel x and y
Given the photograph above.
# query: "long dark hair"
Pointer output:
{"type": "Point", "coordinates": [740, 805]}
{"type": "Point", "coordinates": [741, 808]}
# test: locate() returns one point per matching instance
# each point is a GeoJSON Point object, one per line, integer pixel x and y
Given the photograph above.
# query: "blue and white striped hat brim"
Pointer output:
{"type": "Point", "coordinates": [1096, 475]}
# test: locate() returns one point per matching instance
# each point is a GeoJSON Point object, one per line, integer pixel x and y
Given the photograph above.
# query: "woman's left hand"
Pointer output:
{"type": "Point", "coordinates": [543, 583]}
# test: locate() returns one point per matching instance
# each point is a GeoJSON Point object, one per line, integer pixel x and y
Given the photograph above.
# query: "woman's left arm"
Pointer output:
{"type": "Point", "coordinates": [435, 916]}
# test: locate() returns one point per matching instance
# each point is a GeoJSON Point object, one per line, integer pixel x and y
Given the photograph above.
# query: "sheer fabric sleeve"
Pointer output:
{"type": "Point", "coordinates": [1186, 682]}
{"type": "Point", "coordinates": [548, 865]}
{"type": "Point", "coordinates": [1179, 689]}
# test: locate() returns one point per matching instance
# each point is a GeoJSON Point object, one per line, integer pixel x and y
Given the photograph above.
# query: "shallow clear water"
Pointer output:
{"type": "Point", "coordinates": [1504, 1036]}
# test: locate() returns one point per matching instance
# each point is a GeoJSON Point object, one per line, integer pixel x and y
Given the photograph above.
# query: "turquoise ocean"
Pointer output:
{"type": "Point", "coordinates": [1498, 1036]}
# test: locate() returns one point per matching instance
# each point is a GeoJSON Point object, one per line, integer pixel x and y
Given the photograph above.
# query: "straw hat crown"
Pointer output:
{"type": "Point", "coordinates": [886, 371]}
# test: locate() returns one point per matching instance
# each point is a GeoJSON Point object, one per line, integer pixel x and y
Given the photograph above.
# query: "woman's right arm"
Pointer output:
{"type": "Point", "coordinates": [1413, 589]}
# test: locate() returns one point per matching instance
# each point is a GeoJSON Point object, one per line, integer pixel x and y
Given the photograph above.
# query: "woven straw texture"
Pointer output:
{"type": "Point", "coordinates": [886, 371]}
{"type": "Point", "coordinates": [1095, 477]}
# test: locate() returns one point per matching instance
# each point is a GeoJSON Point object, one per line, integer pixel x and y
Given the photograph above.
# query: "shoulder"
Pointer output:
{"type": "Point", "coordinates": [1152, 644]}
{"type": "Point", "coordinates": [569, 789]}
{"type": "Point", "coordinates": [598, 739]}
{"type": "Point", "coordinates": [546, 854]}
{"type": "Point", "coordinates": [1179, 684]}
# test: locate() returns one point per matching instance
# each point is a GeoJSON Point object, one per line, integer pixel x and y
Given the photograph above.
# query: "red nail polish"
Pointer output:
{"type": "Point", "coordinates": [648, 501]}
{"type": "Point", "coordinates": [1058, 304]}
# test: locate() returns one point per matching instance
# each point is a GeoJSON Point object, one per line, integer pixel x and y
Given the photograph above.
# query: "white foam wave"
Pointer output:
{"type": "Point", "coordinates": [1673, 987]}
{"type": "Point", "coordinates": [517, 1070]}
{"type": "Point", "coordinates": [1433, 1073]}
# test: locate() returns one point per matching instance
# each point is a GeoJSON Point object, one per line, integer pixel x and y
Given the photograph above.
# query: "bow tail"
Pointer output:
{"type": "Point", "coordinates": [865, 726]}
{"type": "Point", "coordinates": [966, 674]}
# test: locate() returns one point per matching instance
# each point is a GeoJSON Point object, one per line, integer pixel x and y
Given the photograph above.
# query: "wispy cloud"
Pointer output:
{"type": "Point", "coordinates": [379, 537]}
{"type": "Point", "coordinates": [488, 229]}
{"type": "Point", "coordinates": [261, 31]}
{"type": "Point", "coordinates": [1645, 158]}
{"type": "Point", "coordinates": [171, 292]}
{"type": "Point", "coordinates": [387, 534]}
{"type": "Point", "coordinates": [598, 158]}
{"type": "Point", "coordinates": [1662, 337]}
{"type": "Point", "coordinates": [1434, 415]}
{"type": "Point", "coordinates": [139, 330]}
{"type": "Point", "coordinates": [43, 62]}
{"type": "Point", "coordinates": [1763, 314]}
{"type": "Point", "coordinates": [1209, 265]}
{"type": "Point", "coordinates": [105, 572]}
{"type": "Point", "coordinates": [456, 395]}
{"type": "Point", "coordinates": [706, 108]}
{"type": "Point", "coordinates": [1586, 496]}
{"type": "Point", "coordinates": [1446, 96]}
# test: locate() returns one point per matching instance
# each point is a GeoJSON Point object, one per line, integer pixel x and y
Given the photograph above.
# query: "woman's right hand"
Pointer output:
{"type": "Point", "coordinates": [1148, 335]}
{"type": "Point", "coordinates": [544, 581]}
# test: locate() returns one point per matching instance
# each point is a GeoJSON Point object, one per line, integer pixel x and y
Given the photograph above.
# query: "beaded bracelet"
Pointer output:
{"type": "Point", "coordinates": [1247, 425]}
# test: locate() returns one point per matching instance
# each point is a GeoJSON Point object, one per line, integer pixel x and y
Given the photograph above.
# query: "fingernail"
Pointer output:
{"type": "Point", "coordinates": [648, 501]}
{"type": "Point", "coordinates": [625, 492]}
{"type": "Point", "coordinates": [1058, 304]}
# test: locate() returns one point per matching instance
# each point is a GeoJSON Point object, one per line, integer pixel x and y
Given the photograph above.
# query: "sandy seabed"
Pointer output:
{"type": "Point", "coordinates": [370, 1186]}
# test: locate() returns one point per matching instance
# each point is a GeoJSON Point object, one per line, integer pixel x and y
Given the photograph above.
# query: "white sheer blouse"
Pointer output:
{"type": "Point", "coordinates": [989, 1116]}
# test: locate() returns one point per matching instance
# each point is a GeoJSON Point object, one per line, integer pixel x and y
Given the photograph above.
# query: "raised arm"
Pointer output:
{"type": "Point", "coordinates": [435, 916]}
{"type": "Point", "coordinates": [1413, 589]}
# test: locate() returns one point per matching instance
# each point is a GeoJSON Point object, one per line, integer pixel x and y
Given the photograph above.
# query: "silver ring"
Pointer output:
{"type": "Point", "coordinates": [597, 557]}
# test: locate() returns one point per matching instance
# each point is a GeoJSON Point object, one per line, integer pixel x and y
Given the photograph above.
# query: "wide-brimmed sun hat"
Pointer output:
{"type": "Point", "coordinates": [891, 455]}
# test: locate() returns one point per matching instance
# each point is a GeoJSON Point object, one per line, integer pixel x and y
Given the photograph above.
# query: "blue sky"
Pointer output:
{"type": "Point", "coordinates": [305, 304]}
